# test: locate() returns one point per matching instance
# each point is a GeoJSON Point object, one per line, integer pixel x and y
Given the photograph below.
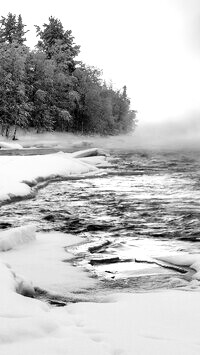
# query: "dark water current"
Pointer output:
{"type": "Point", "coordinates": [147, 205]}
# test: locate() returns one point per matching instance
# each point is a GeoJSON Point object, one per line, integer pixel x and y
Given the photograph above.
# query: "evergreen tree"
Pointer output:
{"type": "Point", "coordinates": [12, 29]}
{"type": "Point", "coordinates": [20, 31]}
{"type": "Point", "coordinates": [14, 104]}
{"type": "Point", "coordinates": [40, 78]}
{"type": "Point", "coordinates": [58, 46]}
{"type": "Point", "coordinates": [101, 109]}
{"type": "Point", "coordinates": [58, 43]}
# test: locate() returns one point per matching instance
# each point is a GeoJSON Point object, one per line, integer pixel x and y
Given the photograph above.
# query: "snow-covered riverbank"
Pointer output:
{"type": "Point", "coordinates": [152, 323]}
{"type": "Point", "coordinates": [163, 322]}
{"type": "Point", "coordinates": [18, 174]}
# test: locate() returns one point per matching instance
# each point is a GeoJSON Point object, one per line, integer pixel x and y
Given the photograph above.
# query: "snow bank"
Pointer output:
{"type": "Point", "coordinates": [11, 189]}
{"type": "Point", "coordinates": [19, 173]}
{"type": "Point", "coordinates": [21, 318]}
{"type": "Point", "coordinates": [46, 262]}
{"type": "Point", "coordinates": [9, 239]}
{"type": "Point", "coordinates": [142, 324]}
{"type": "Point", "coordinates": [29, 326]}
{"type": "Point", "coordinates": [6, 145]}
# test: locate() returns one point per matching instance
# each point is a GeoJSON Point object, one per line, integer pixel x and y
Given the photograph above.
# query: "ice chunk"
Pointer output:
{"type": "Point", "coordinates": [191, 261]}
{"type": "Point", "coordinates": [88, 153]}
{"type": "Point", "coordinates": [6, 145]}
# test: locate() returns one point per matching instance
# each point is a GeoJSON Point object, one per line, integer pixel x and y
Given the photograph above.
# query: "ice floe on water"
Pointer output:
{"type": "Point", "coordinates": [119, 258]}
{"type": "Point", "coordinates": [88, 153]}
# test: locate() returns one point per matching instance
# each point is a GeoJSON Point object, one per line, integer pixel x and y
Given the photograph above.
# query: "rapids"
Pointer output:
{"type": "Point", "coordinates": [145, 206]}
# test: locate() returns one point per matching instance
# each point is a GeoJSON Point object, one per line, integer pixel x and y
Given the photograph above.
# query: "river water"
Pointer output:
{"type": "Point", "coordinates": [147, 204]}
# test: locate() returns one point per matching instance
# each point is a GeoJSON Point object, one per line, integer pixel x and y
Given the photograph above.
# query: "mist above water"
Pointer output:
{"type": "Point", "coordinates": [178, 134]}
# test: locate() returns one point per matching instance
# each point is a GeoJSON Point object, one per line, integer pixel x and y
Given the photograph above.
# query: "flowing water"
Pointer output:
{"type": "Point", "coordinates": [147, 204]}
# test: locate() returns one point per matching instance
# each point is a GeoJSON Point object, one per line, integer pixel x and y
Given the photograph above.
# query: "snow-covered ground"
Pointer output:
{"type": "Point", "coordinates": [165, 322]}
{"type": "Point", "coordinates": [45, 259]}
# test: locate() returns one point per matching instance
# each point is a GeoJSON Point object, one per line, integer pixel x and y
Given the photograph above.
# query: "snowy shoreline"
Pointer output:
{"type": "Point", "coordinates": [147, 323]}
{"type": "Point", "coordinates": [164, 322]}
{"type": "Point", "coordinates": [19, 174]}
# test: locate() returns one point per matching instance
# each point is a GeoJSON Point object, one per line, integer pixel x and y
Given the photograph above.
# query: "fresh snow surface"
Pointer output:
{"type": "Point", "coordinates": [8, 145]}
{"type": "Point", "coordinates": [164, 322]}
{"type": "Point", "coordinates": [19, 173]}
{"type": "Point", "coordinates": [44, 261]}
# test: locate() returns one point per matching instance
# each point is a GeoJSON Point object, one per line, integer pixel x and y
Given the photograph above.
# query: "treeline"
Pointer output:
{"type": "Point", "coordinates": [48, 89]}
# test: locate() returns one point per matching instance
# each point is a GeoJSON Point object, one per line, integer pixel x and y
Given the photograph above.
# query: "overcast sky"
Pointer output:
{"type": "Point", "coordinates": [152, 46]}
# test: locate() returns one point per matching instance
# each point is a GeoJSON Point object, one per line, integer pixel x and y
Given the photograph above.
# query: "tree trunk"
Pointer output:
{"type": "Point", "coordinates": [2, 129]}
{"type": "Point", "coordinates": [14, 134]}
{"type": "Point", "coordinates": [7, 131]}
